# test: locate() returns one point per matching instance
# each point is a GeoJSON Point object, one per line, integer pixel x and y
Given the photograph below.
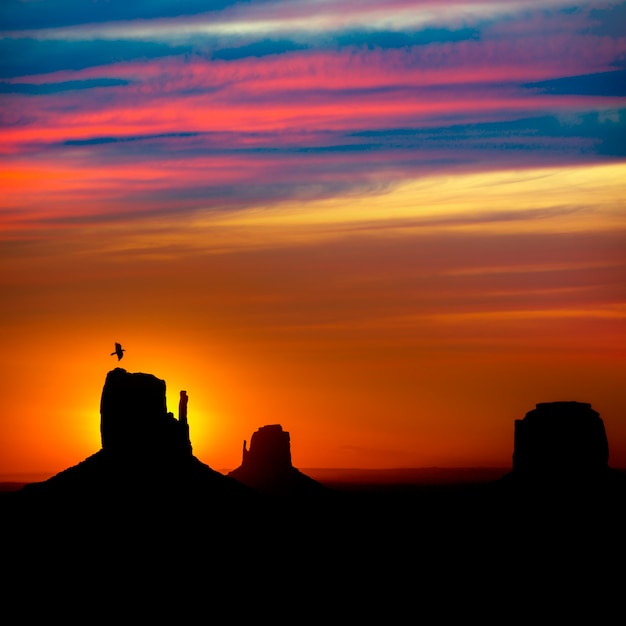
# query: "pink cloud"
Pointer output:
{"type": "Point", "coordinates": [314, 90]}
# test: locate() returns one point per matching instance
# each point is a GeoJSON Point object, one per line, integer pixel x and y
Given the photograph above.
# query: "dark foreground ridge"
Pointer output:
{"type": "Point", "coordinates": [142, 529]}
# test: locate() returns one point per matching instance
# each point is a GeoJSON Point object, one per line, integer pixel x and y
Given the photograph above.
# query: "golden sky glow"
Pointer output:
{"type": "Point", "coordinates": [404, 328]}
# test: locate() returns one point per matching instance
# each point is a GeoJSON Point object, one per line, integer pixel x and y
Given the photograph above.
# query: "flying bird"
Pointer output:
{"type": "Point", "coordinates": [119, 351]}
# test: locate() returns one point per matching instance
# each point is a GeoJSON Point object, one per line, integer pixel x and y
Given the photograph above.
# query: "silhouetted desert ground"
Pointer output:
{"type": "Point", "coordinates": [143, 531]}
{"type": "Point", "coordinates": [436, 552]}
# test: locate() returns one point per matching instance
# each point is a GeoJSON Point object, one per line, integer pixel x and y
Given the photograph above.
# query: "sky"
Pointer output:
{"type": "Point", "coordinates": [392, 227]}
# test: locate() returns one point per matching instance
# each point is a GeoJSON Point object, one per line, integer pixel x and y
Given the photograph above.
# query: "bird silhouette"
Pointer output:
{"type": "Point", "coordinates": [119, 351]}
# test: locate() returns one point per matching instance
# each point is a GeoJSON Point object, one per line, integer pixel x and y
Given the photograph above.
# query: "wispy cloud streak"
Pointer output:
{"type": "Point", "coordinates": [298, 99]}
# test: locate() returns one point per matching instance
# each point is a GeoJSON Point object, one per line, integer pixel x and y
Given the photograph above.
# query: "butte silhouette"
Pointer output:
{"type": "Point", "coordinates": [145, 450]}
{"type": "Point", "coordinates": [267, 467]}
{"type": "Point", "coordinates": [561, 446]}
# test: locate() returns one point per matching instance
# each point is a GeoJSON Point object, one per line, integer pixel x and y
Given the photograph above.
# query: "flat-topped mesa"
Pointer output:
{"type": "Point", "coordinates": [558, 439]}
{"type": "Point", "coordinates": [134, 418]}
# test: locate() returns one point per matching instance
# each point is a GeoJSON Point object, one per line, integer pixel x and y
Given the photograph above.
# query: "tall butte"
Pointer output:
{"type": "Point", "coordinates": [145, 449]}
{"type": "Point", "coordinates": [134, 421]}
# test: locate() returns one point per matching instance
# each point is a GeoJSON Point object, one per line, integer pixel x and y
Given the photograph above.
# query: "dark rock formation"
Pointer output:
{"type": "Point", "coordinates": [560, 437]}
{"type": "Point", "coordinates": [561, 445]}
{"type": "Point", "coordinates": [267, 468]}
{"type": "Point", "coordinates": [270, 448]}
{"type": "Point", "coordinates": [134, 418]}
{"type": "Point", "coordinates": [146, 451]}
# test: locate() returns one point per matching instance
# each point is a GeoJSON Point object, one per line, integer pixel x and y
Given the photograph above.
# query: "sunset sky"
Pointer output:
{"type": "Point", "coordinates": [392, 227]}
